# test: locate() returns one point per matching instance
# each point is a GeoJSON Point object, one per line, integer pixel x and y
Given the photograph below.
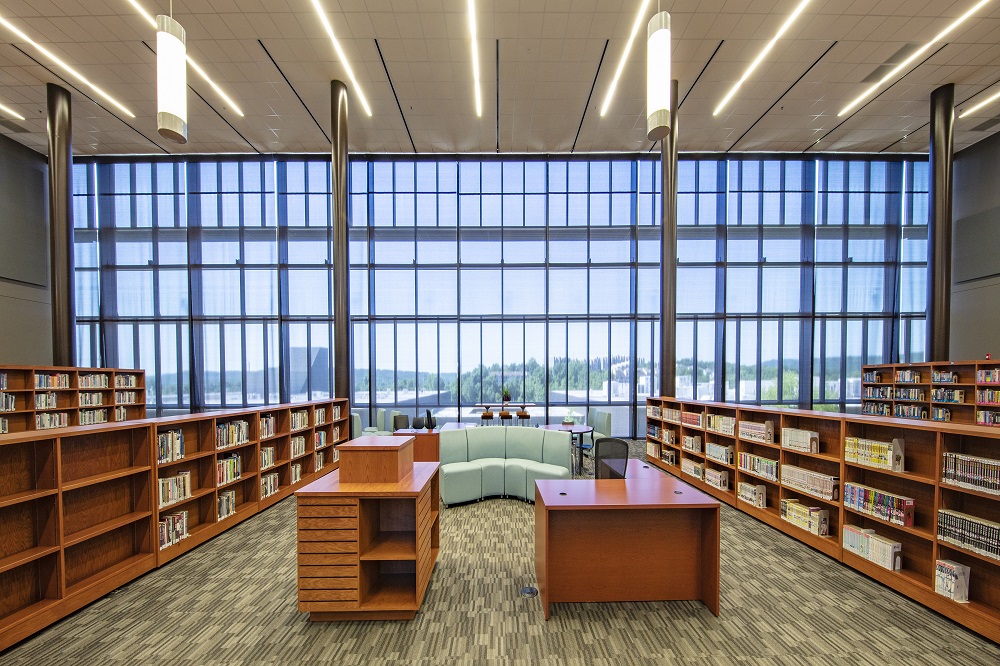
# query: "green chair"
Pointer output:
{"type": "Point", "coordinates": [355, 425]}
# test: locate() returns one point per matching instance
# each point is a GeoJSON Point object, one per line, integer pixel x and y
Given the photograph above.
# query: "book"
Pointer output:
{"type": "Point", "coordinates": [693, 468]}
{"type": "Point", "coordinates": [794, 439]}
{"type": "Point", "coordinates": [755, 494]}
{"type": "Point", "coordinates": [269, 485]}
{"type": "Point", "coordinates": [812, 519]}
{"type": "Point", "coordinates": [813, 483]}
{"type": "Point", "coordinates": [227, 504]}
{"type": "Point", "coordinates": [233, 433]}
{"type": "Point", "coordinates": [717, 478]}
{"type": "Point", "coordinates": [758, 465]}
{"type": "Point", "coordinates": [757, 432]}
{"type": "Point", "coordinates": [174, 489]}
{"type": "Point", "coordinates": [972, 472]}
{"type": "Point", "coordinates": [951, 579]}
{"type": "Point", "coordinates": [169, 446]}
{"type": "Point", "coordinates": [300, 419]}
{"type": "Point", "coordinates": [895, 509]}
{"type": "Point", "coordinates": [267, 425]}
{"type": "Point", "coordinates": [873, 453]}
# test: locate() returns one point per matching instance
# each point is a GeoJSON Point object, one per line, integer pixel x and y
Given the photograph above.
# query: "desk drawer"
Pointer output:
{"type": "Point", "coordinates": [327, 523]}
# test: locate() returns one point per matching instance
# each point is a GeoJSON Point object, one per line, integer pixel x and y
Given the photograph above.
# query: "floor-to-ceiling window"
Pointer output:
{"type": "Point", "coordinates": [467, 274]}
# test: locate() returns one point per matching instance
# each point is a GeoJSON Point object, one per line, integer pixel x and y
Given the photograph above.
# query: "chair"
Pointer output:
{"type": "Point", "coordinates": [610, 458]}
{"type": "Point", "coordinates": [487, 417]}
{"type": "Point", "coordinates": [390, 421]}
{"type": "Point", "coordinates": [506, 418]}
{"type": "Point", "coordinates": [355, 425]}
{"type": "Point", "coordinates": [418, 422]}
{"type": "Point", "coordinates": [523, 416]}
{"type": "Point", "coordinates": [600, 421]}
{"type": "Point", "coordinates": [400, 422]}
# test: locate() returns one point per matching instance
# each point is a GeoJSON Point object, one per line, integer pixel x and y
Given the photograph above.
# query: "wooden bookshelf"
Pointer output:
{"type": "Point", "coordinates": [80, 506]}
{"type": "Point", "coordinates": [815, 445]}
{"type": "Point", "coordinates": [949, 391]}
{"type": "Point", "coordinates": [45, 397]}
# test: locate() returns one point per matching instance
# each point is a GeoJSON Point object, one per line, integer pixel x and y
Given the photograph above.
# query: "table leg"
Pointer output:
{"type": "Point", "coordinates": [579, 454]}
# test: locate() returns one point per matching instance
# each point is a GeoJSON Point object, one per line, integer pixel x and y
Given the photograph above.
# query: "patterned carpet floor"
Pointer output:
{"type": "Point", "coordinates": [232, 601]}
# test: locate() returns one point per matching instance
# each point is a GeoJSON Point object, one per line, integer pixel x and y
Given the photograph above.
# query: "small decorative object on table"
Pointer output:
{"type": "Point", "coordinates": [570, 418]}
{"type": "Point", "coordinates": [504, 394]}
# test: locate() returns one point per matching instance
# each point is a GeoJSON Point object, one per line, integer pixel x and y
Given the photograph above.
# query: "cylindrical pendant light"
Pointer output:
{"type": "Point", "coordinates": [658, 76]}
{"type": "Point", "coordinates": [171, 79]}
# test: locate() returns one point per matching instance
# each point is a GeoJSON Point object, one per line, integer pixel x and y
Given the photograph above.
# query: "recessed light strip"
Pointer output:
{"type": "Point", "coordinates": [341, 55]}
{"type": "Point", "coordinates": [986, 102]}
{"type": "Point", "coordinates": [475, 57]}
{"type": "Point", "coordinates": [152, 21]}
{"type": "Point", "coordinates": [923, 49]}
{"type": "Point", "coordinates": [11, 112]}
{"type": "Point", "coordinates": [760, 57]}
{"type": "Point", "coordinates": [51, 56]}
{"type": "Point", "coordinates": [628, 48]}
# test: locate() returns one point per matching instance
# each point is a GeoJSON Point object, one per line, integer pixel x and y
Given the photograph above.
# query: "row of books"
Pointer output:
{"type": "Point", "coordinates": [877, 393]}
{"type": "Point", "coordinates": [991, 376]}
{"type": "Point", "coordinates": [232, 433]}
{"type": "Point", "coordinates": [91, 399]}
{"type": "Point", "coordinates": [909, 411]}
{"type": "Point", "coordinates": [92, 381]}
{"type": "Point", "coordinates": [8, 402]}
{"type": "Point", "coordinates": [121, 413]}
{"type": "Point", "coordinates": [126, 397]}
{"type": "Point", "coordinates": [724, 425]}
{"type": "Point", "coordinates": [812, 519]}
{"type": "Point", "coordinates": [227, 504]}
{"type": "Point", "coordinates": [948, 395]}
{"type": "Point", "coordinates": [169, 446]}
{"type": "Point", "coordinates": [175, 488]}
{"type": "Point", "coordinates": [173, 528]}
{"type": "Point", "coordinates": [940, 414]}
{"type": "Point", "coordinates": [986, 417]}
{"type": "Point", "coordinates": [50, 420]}
{"type": "Point", "coordinates": [910, 394]}
{"type": "Point", "coordinates": [3, 381]}
{"type": "Point", "coordinates": [813, 483]}
{"type": "Point", "coordinates": [58, 380]}
{"type": "Point", "coordinates": [973, 472]}
{"type": "Point", "coordinates": [267, 457]}
{"type": "Point", "coordinates": [944, 377]}
{"type": "Point", "coordinates": [653, 430]}
{"type": "Point", "coordinates": [693, 468]}
{"type": "Point", "coordinates": [988, 396]}
{"type": "Point", "coordinates": [970, 532]}
{"type": "Point", "coordinates": [696, 419]}
{"type": "Point", "coordinates": [717, 478]}
{"type": "Point", "coordinates": [268, 484]}
{"type": "Point", "coordinates": [296, 472]}
{"type": "Point", "coordinates": [873, 453]}
{"type": "Point", "coordinates": [757, 432]}
{"type": "Point", "coordinates": [652, 449]}
{"type": "Point", "coordinates": [300, 419]}
{"type": "Point", "coordinates": [877, 549]}
{"type": "Point", "coordinates": [795, 439]}
{"type": "Point", "coordinates": [320, 461]}
{"type": "Point", "coordinates": [876, 408]}
{"type": "Point", "coordinates": [268, 425]}
{"type": "Point", "coordinates": [298, 446]}
{"type": "Point", "coordinates": [320, 437]}
{"type": "Point", "coordinates": [691, 443]}
{"type": "Point", "coordinates": [46, 401]}
{"type": "Point", "coordinates": [951, 579]}
{"type": "Point", "coordinates": [751, 493]}
{"type": "Point", "coordinates": [895, 509]}
{"type": "Point", "coordinates": [871, 377]}
{"type": "Point", "coordinates": [320, 414]}
{"type": "Point", "coordinates": [653, 411]}
{"type": "Point", "coordinates": [126, 381]}
{"type": "Point", "coordinates": [907, 377]}
{"type": "Point", "coordinates": [228, 469]}
{"type": "Point", "coordinates": [4, 426]}
{"type": "Point", "coordinates": [92, 416]}
{"type": "Point", "coordinates": [669, 456]}
{"type": "Point", "coordinates": [671, 414]}
{"type": "Point", "coordinates": [719, 453]}
{"type": "Point", "coordinates": [758, 465]}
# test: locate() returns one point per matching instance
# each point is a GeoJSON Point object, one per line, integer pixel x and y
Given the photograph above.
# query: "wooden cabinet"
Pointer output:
{"type": "Point", "coordinates": [369, 534]}
{"type": "Point", "coordinates": [46, 397]}
{"type": "Point", "coordinates": [894, 482]}
{"type": "Point", "coordinates": [85, 509]}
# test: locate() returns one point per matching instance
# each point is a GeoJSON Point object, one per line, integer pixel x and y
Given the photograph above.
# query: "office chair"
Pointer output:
{"type": "Point", "coordinates": [400, 422]}
{"type": "Point", "coordinates": [610, 458]}
{"type": "Point", "coordinates": [418, 422]}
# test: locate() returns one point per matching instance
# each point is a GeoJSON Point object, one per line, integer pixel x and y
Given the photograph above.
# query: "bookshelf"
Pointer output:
{"type": "Point", "coordinates": [46, 397]}
{"type": "Point", "coordinates": [886, 496]}
{"type": "Point", "coordinates": [84, 508]}
{"type": "Point", "coordinates": [949, 391]}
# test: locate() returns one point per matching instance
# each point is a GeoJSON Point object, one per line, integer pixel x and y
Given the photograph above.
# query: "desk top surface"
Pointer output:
{"type": "Point", "coordinates": [642, 488]}
{"type": "Point", "coordinates": [412, 484]}
{"type": "Point", "coordinates": [375, 443]}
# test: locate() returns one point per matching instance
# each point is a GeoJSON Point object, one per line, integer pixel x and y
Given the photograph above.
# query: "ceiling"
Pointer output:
{"type": "Point", "coordinates": [545, 69]}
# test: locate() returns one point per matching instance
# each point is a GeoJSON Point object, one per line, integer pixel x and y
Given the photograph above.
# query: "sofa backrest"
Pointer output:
{"type": "Point", "coordinates": [454, 446]}
{"type": "Point", "coordinates": [355, 425]}
{"type": "Point", "coordinates": [592, 417]}
{"type": "Point", "coordinates": [602, 423]}
{"type": "Point", "coordinates": [487, 442]}
{"type": "Point", "coordinates": [380, 418]}
{"type": "Point", "coordinates": [557, 448]}
{"type": "Point", "coordinates": [525, 443]}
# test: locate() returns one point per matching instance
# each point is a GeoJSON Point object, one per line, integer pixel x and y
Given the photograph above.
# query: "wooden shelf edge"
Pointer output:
{"type": "Point", "coordinates": [26, 496]}
{"type": "Point", "coordinates": [245, 476]}
{"type": "Point", "coordinates": [107, 476]}
{"type": "Point", "coordinates": [197, 455]}
{"type": "Point", "coordinates": [196, 536]}
{"type": "Point", "coordinates": [107, 526]}
{"type": "Point", "coordinates": [392, 546]}
{"type": "Point", "coordinates": [26, 557]}
{"type": "Point", "coordinates": [131, 567]}
{"type": "Point", "coordinates": [198, 494]}
{"type": "Point", "coordinates": [915, 531]}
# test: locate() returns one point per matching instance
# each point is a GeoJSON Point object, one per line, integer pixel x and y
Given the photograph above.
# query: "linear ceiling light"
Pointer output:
{"type": "Point", "coordinates": [760, 57]}
{"type": "Point", "coordinates": [341, 55]}
{"type": "Point", "coordinates": [152, 21]}
{"type": "Point", "coordinates": [916, 54]}
{"type": "Point", "coordinates": [968, 112]}
{"type": "Point", "coordinates": [11, 112]}
{"type": "Point", "coordinates": [475, 57]}
{"type": "Point", "coordinates": [51, 56]}
{"type": "Point", "coordinates": [621, 63]}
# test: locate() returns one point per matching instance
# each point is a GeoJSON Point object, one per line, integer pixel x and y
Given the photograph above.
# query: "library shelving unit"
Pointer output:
{"type": "Point", "coordinates": [86, 509]}
{"type": "Point", "coordinates": [889, 497]}
{"type": "Point", "coordinates": [46, 397]}
{"type": "Point", "coordinates": [368, 536]}
{"type": "Point", "coordinates": [949, 391]}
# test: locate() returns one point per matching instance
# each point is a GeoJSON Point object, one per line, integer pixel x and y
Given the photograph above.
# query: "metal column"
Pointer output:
{"type": "Point", "coordinates": [341, 272]}
{"type": "Point", "coordinates": [939, 227]}
{"type": "Point", "coordinates": [60, 132]}
{"type": "Point", "coordinates": [668, 253]}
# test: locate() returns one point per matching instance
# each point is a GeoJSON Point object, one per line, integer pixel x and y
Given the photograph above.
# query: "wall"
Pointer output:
{"type": "Point", "coordinates": [25, 305]}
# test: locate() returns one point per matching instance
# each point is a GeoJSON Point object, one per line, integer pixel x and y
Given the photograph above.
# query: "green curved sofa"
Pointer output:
{"type": "Point", "coordinates": [501, 461]}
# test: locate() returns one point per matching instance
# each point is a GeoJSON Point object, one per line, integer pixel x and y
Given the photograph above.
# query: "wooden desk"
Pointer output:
{"type": "Point", "coordinates": [626, 540]}
{"type": "Point", "coordinates": [367, 548]}
{"type": "Point", "coordinates": [426, 447]}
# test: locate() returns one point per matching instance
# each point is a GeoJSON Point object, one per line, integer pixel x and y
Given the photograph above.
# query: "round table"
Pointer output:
{"type": "Point", "coordinates": [577, 432]}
